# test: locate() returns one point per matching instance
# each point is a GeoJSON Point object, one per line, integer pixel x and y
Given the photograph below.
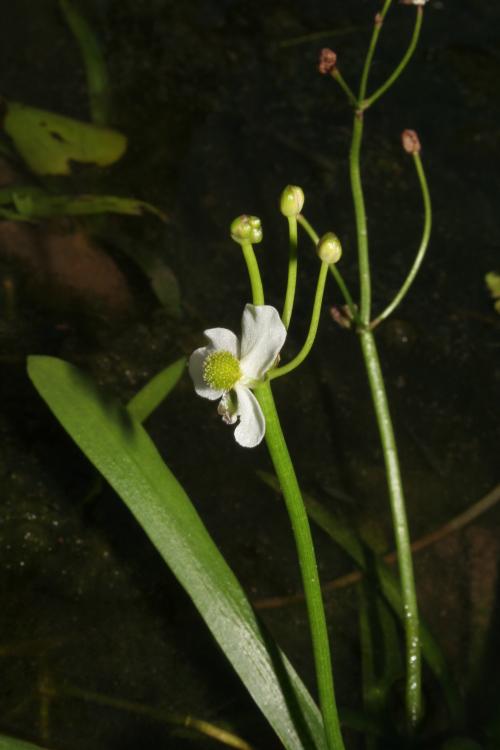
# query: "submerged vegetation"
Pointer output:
{"type": "Point", "coordinates": [349, 468]}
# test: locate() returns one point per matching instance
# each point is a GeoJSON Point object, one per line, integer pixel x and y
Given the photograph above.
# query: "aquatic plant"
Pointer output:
{"type": "Point", "coordinates": [241, 375]}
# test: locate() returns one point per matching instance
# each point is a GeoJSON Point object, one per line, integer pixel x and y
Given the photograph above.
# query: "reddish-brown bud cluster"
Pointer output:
{"type": "Point", "coordinates": [410, 141]}
{"type": "Point", "coordinates": [327, 61]}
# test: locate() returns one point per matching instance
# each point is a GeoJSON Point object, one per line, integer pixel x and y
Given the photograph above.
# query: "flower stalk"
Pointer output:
{"type": "Point", "coordinates": [365, 287]}
{"type": "Point", "coordinates": [313, 235]}
{"type": "Point", "coordinates": [400, 523]}
{"type": "Point", "coordinates": [292, 272]}
{"type": "Point", "coordinates": [285, 472]}
{"type": "Point", "coordinates": [294, 502]}
{"type": "Point", "coordinates": [377, 28]}
{"type": "Point", "coordinates": [313, 327]}
{"type": "Point", "coordinates": [254, 273]}
{"type": "Point", "coordinates": [364, 326]}
{"type": "Point", "coordinates": [337, 76]}
{"type": "Point", "coordinates": [424, 243]}
{"type": "Point", "coordinates": [247, 231]}
{"type": "Point", "coordinates": [402, 65]}
{"type": "Point", "coordinates": [377, 386]}
{"type": "Point", "coordinates": [291, 204]}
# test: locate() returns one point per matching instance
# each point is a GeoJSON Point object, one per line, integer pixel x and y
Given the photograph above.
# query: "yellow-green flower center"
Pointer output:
{"type": "Point", "coordinates": [221, 370]}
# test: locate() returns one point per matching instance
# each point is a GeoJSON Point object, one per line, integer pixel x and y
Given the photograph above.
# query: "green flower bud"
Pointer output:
{"type": "Point", "coordinates": [329, 248]}
{"type": "Point", "coordinates": [246, 229]}
{"type": "Point", "coordinates": [292, 200]}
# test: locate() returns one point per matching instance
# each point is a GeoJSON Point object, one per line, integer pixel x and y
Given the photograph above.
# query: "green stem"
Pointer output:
{"type": "Point", "coordinates": [402, 65]}
{"type": "Point", "coordinates": [395, 486]}
{"type": "Point", "coordinates": [307, 560]}
{"type": "Point", "coordinates": [379, 398]}
{"type": "Point", "coordinates": [424, 242]}
{"type": "Point", "coordinates": [379, 20]}
{"type": "Point", "coordinates": [337, 76]}
{"type": "Point", "coordinates": [333, 269]}
{"type": "Point", "coordinates": [254, 273]}
{"type": "Point", "coordinates": [355, 175]}
{"type": "Point", "coordinates": [313, 328]}
{"type": "Point", "coordinates": [360, 213]}
{"type": "Point", "coordinates": [310, 231]}
{"type": "Point", "coordinates": [292, 272]}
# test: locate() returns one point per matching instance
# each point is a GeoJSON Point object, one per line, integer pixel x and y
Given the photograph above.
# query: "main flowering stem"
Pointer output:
{"type": "Point", "coordinates": [389, 447]}
{"type": "Point", "coordinates": [379, 396]}
{"type": "Point", "coordinates": [302, 532]}
{"type": "Point", "coordinates": [307, 560]}
{"type": "Point", "coordinates": [400, 524]}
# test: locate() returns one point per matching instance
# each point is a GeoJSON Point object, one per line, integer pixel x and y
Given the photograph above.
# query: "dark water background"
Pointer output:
{"type": "Point", "coordinates": [223, 106]}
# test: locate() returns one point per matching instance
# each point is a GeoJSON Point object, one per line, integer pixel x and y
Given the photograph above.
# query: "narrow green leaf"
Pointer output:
{"type": "Point", "coordinates": [11, 743]}
{"type": "Point", "coordinates": [34, 203]}
{"type": "Point", "coordinates": [48, 142]}
{"type": "Point", "coordinates": [158, 388]}
{"type": "Point", "coordinates": [123, 452]}
{"type": "Point", "coordinates": [381, 658]}
{"type": "Point", "coordinates": [9, 215]}
{"type": "Point", "coordinates": [93, 60]}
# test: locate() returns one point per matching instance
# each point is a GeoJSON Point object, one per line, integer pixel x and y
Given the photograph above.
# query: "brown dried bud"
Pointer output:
{"type": "Point", "coordinates": [327, 61]}
{"type": "Point", "coordinates": [410, 141]}
{"type": "Point", "coordinates": [341, 316]}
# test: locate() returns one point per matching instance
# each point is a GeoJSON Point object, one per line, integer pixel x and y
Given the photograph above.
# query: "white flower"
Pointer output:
{"type": "Point", "coordinates": [227, 369]}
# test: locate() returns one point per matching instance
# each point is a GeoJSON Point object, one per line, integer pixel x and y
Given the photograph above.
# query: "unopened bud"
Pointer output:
{"type": "Point", "coordinates": [327, 61]}
{"type": "Point", "coordinates": [329, 248]}
{"type": "Point", "coordinates": [246, 229]}
{"type": "Point", "coordinates": [410, 141]}
{"type": "Point", "coordinates": [292, 200]}
{"type": "Point", "coordinates": [342, 316]}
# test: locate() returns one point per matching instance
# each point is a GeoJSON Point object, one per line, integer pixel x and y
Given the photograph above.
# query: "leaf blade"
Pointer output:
{"type": "Point", "coordinates": [123, 452]}
{"type": "Point", "coordinates": [48, 142]}
{"type": "Point", "coordinates": [12, 743]}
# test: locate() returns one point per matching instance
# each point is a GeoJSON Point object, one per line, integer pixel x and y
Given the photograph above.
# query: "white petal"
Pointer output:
{"type": "Point", "coordinates": [252, 425]}
{"type": "Point", "coordinates": [222, 339]}
{"type": "Point", "coordinates": [196, 361]}
{"type": "Point", "coordinates": [262, 336]}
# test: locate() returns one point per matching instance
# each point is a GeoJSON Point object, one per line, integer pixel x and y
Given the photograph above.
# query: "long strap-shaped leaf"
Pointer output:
{"type": "Point", "coordinates": [11, 743]}
{"type": "Point", "coordinates": [122, 451]}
